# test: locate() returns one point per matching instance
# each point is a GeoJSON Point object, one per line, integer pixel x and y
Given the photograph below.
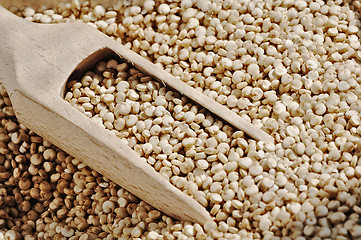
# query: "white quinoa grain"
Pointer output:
{"type": "Point", "coordinates": [99, 11]}
{"type": "Point", "coordinates": [245, 163]}
{"type": "Point", "coordinates": [255, 170]}
{"type": "Point", "coordinates": [321, 211]}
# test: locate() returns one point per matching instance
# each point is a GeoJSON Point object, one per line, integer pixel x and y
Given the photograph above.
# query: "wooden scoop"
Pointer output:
{"type": "Point", "coordinates": [36, 61]}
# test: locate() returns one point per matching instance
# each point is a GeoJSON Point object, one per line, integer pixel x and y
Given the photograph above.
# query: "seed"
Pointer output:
{"type": "Point", "coordinates": [67, 232]}
{"type": "Point", "coordinates": [253, 70]}
{"type": "Point", "coordinates": [45, 186]}
{"type": "Point", "coordinates": [130, 120]}
{"type": "Point", "coordinates": [251, 190]}
{"type": "Point", "coordinates": [45, 19]}
{"type": "Point", "coordinates": [188, 142]}
{"type": "Point", "coordinates": [163, 9]}
{"type": "Point", "coordinates": [202, 164]}
{"type": "Point", "coordinates": [24, 184]}
{"type": "Point", "coordinates": [153, 235]}
{"type": "Point", "coordinates": [34, 193]}
{"type": "Point", "coordinates": [216, 198]}
{"type": "Point", "coordinates": [280, 71]}
{"type": "Point", "coordinates": [36, 159]}
{"type": "Point", "coordinates": [255, 170]}
{"type": "Point", "coordinates": [267, 182]}
{"type": "Point", "coordinates": [108, 206]}
{"type": "Point", "coordinates": [343, 86]}
{"type": "Point", "coordinates": [108, 98]}
{"type": "Point", "coordinates": [189, 231]}
{"type": "Point", "coordinates": [99, 11]}
{"type": "Point", "coordinates": [321, 211]}
{"type": "Point", "coordinates": [245, 163]}
{"type": "Point", "coordinates": [292, 131]}
{"type": "Point", "coordinates": [228, 195]}
{"type": "Point", "coordinates": [265, 223]}
{"type": "Point", "coordinates": [356, 231]}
